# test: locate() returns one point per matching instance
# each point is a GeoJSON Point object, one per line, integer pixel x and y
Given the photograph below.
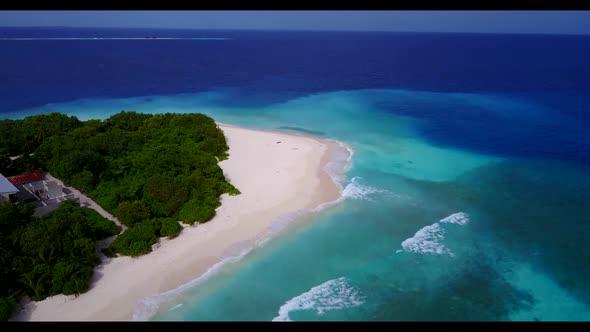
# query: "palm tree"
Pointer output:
{"type": "Point", "coordinates": [41, 133]}
{"type": "Point", "coordinates": [34, 284]}
{"type": "Point", "coordinates": [47, 253]}
{"type": "Point", "coordinates": [29, 144]}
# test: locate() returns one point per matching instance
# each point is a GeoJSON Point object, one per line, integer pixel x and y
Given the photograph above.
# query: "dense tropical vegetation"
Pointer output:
{"type": "Point", "coordinates": [55, 254]}
{"type": "Point", "coordinates": [150, 171]}
{"type": "Point", "coordinates": [23, 137]}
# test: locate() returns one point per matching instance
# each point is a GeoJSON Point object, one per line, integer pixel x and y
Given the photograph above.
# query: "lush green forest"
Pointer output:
{"type": "Point", "coordinates": [150, 171]}
{"type": "Point", "coordinates": [52, 255]}
{"type": "Point", "coordinates": [23, 137]}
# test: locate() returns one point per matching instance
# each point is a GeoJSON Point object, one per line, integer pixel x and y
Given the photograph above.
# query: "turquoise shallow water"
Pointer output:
{"type": "Point", "coordinates": [426, 230]}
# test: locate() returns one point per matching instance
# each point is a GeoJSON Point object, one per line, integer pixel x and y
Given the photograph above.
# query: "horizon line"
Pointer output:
{"type": "Point", "coordinates": [295, 30]}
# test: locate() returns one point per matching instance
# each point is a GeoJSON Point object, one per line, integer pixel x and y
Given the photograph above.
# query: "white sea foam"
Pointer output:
{"type": "Point", "coordinates": [355, 190]}
{"type": "Point", "coordinates": [428, 239]}
{"type": "Point", "coordinates": [459, 218]}
{"type": "Point", "coordinates": [331, 295]}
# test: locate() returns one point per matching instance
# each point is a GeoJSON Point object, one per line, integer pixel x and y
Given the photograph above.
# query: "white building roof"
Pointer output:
{"type": "Point", "coordinates": [6, 187]}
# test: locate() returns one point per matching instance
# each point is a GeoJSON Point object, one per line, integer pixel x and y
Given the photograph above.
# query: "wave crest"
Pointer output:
{"type": "Point", "coordinates": [331, 295]}
{"type": "Point", "coordinates": [428, 239]}
{"type": "Point", "coordinates": [459, 218]}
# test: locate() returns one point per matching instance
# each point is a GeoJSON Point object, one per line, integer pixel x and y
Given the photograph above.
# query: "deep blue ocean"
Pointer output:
{"type": "Point", "coordinates": [468, 194]}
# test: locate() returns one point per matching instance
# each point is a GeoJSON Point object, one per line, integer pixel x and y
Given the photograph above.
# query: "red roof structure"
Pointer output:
{"type": "Point", "coordinates": [26, 178]}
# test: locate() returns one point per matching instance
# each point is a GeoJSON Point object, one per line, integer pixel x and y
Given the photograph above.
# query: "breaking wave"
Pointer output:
{"type": "Point", "coordinates": [428, 239]}
{"type": "Point", "coordinates": [459, 218]}
{"type": "Point", "coordinates": [331, 295]}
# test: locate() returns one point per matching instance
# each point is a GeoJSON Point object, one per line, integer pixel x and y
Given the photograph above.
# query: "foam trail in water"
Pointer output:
{"type": "Point", "coordinates": [355, 190]}
{"type": "Point", "coordinates": [331, 295]}
{"type": "Point", "coordinates": [428, 239]}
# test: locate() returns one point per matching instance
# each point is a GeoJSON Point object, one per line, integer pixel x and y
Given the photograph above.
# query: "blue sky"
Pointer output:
{"type": "Point", "coordinates": [568, 22]}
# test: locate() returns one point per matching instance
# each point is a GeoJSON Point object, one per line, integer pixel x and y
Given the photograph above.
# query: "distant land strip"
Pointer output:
{"type": "Point", "coordinates": [115, 38]}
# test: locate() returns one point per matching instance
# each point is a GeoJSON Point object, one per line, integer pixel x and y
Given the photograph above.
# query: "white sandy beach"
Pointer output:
{"type": "Point", "coordinates": [274, 178]}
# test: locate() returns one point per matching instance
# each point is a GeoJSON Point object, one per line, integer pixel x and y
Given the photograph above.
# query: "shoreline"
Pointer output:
{"type": "Point", "coordinates": [279, 174]}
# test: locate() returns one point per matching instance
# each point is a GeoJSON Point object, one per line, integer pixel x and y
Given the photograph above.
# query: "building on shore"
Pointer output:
{"type": "Point", "coordinates": [33, 188]}
{"type": "Point", "coordinates": [8, 191]}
